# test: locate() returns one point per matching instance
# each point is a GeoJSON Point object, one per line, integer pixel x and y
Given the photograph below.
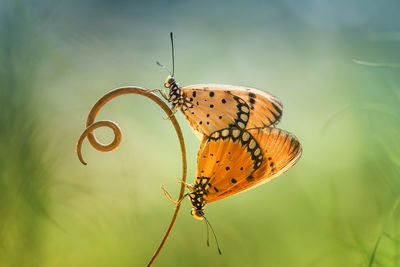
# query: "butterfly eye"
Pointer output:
{"type": "Point", "coordinates": [171, 80]}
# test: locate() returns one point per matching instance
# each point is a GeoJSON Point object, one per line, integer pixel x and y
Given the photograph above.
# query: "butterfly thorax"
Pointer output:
{"type": "Point", "coordinates": [197, 196]}
{"type": "Point", "coordinates": [176, 95]}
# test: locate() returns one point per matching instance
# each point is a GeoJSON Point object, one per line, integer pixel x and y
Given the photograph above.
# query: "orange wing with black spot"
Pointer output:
{"type": "Point", "coordinates": [237, 160]}
{"type": "Point", "coordinates": [213, 101]}
{"type": "Point", "coordinates": [211, 110]}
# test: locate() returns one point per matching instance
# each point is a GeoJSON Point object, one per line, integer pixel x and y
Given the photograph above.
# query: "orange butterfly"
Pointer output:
{"type": "Point", "coordinates": [232, 160]}
{"type": "Point", "coordinates": [211, 107]}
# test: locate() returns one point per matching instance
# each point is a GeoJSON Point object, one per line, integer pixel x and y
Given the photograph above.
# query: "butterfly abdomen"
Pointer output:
{"type": "Point", "coordinates": [200, 190]}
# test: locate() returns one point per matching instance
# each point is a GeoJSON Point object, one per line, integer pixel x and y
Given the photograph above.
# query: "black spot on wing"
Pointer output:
{"type": "Point", "coordinates": [247, 141]}
{"type": "Point", "coordinates": [252, 100]}
{"type": "Point", "coordinates": [250, 178]}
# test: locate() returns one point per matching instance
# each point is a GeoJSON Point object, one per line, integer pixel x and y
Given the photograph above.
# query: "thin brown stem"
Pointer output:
{"type": "Point", "coordinates": [91, 126]}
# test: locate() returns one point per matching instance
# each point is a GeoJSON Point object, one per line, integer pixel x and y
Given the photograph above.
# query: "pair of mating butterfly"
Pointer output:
{"type": "Point", "coordinates": [240, 148]}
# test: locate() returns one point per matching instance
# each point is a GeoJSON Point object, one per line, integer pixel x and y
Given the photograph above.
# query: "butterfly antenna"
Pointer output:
{"type": "Point", "coordinates": [173, 53]}
{"type": "Point", "coordinates": [208, 234]}
{"type": "Point", "coordinates": [163, 66]}
{"type": "Point", "coordinates": [215, 236]}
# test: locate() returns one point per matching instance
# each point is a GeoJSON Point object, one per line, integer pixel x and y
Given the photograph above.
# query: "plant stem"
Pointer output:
{"type": "Point", "coordinates": [91, 126]}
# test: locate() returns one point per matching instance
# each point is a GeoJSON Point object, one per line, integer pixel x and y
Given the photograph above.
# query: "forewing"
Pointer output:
{"type": "Point", "coordinates": [265, 109]}
{"type": "Point", "coordinates": [209, 110]}
{"type": "Point", "coordinates": [227, 157]}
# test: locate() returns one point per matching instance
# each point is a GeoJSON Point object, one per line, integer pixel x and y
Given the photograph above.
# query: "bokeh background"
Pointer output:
{"type": "Point", "coordinates": [334, 64]}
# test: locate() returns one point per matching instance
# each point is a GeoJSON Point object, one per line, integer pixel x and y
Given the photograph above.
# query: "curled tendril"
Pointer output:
{"type": "Point", "coordinates": [96, 144]}
{"type": "Point", "coordinates": [91, 126]}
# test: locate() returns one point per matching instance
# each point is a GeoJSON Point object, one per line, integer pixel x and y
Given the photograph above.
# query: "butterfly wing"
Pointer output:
{"type": "Point", "coordinates": [265, 109]}
{"type": "Point", "coordinates": [238, 166]}
{"type": "Point", "coordinates": [281, 151]}
{"type": "Point", "coordinates": [226, 157]}
{"type": "Point", "coordinates": [210, 110]}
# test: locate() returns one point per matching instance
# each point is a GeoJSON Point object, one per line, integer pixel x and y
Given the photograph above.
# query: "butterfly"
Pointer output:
{"type": "Point", "coordinates": [211, 107]}
{"type": "Point", "coordinates": [233, 160]}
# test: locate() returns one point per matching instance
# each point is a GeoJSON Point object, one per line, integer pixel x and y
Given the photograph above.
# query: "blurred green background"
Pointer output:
{"type": "Point", "coordinates": [336, 207]}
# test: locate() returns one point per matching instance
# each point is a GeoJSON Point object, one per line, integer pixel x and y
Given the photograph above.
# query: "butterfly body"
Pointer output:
{"type": "Point", "coordinates": [211, 107]}
{"type": "Point", "coordinates": [233, 160]}
{"type": "Point", "coordinates": [175, 94]}
{"type": "Point", "coordinates": [197, 196]}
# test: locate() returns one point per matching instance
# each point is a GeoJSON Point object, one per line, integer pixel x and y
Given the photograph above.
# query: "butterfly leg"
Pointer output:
{"type": "Point", "coordinates": [168, 196]}
{"type": "Point", "coordinates": [188, 186]}
{"type": "Point", "coordinates": [174, 110]}
{"type": "Point", "coordinates": [162, 93]}
{"type": "Point", "coordinates": [180, 200]}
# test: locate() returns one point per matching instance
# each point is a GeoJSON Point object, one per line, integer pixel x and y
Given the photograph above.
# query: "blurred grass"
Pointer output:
{"type": "Point", "coordinates": [383, 163]}
{"type": "Point", "coordinates": [24, 176]}
{"type": "Point", "coordinates": [332, 209]}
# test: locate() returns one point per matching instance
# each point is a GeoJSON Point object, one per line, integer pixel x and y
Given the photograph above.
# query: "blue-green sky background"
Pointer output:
{"type": "Point", "coordinates": [334, 64]}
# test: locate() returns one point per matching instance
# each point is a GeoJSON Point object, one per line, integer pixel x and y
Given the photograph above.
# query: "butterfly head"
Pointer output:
{"type": "Point", "coordinates": [169, 82]}
{"type": "Point", "coordinates": [197, 214]}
